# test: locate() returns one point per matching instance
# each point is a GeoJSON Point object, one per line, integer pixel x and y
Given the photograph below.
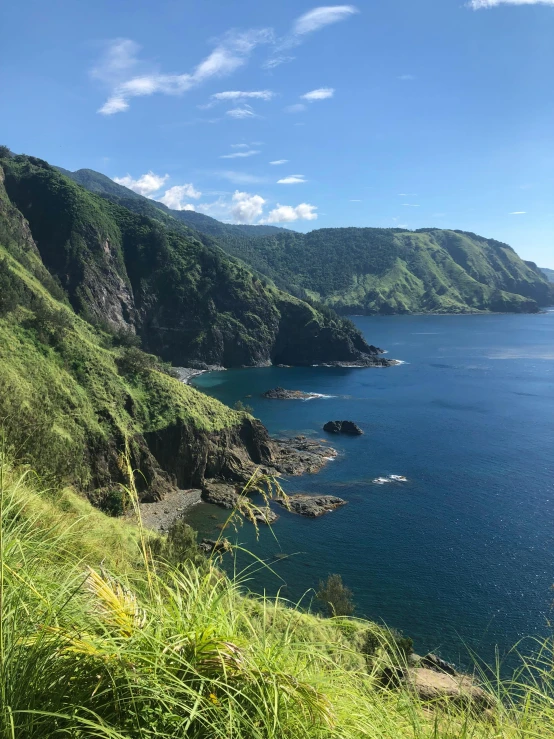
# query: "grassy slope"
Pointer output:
{"type": "Point", "coordinates": [390, 271]}
{"type": "Point", "coordinates": [63, 392]}
{"type": "Point", "coordinates": [98, 639]}
{"type": "Point", "coordinates": [549, 273]}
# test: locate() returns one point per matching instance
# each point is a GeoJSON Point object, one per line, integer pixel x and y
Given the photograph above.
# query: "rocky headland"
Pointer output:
{"type": "Point", "coordinates": [280, 393]}
{"type": "Point", "coordinates": [311, 506]}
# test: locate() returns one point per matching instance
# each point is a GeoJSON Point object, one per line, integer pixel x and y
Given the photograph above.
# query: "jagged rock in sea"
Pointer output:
{"type": "Point", "coordinates": [311, 506]}
{"type": "Point", "coordinates": [343, 427]}
{"type": "Point", "coordinates": [279, 393]}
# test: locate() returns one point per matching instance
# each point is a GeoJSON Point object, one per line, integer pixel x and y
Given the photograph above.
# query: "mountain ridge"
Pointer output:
{"type": "Point", "coordinates": [186, 298]}
{"type": "Point", "coordinates": [372, 270]}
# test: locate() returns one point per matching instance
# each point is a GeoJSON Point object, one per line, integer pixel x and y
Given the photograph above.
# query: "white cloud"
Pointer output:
{"type": "Point", "coordinates": [355, 201]}
{"type": "Point", "coordinates": [478, 4]}
{"type": "Point", "coordinates": [410, 205]}
{"type": "Point", "coordinates": [311, 21]}
{"type": "Point", "coordinates": [518, 213]}
{"type": "Point", "coordinates": [317, 18]}
{"type": "Point", "coordinates": [175, 196]}
{"type": "Point", "coordinates": [322, 93]}
{"type": "Point", "coordinates": [289, 213]}
{"type": "Point", "coordinates": [120, 61]}
{"type": "Point", "coordinates": [245, 112]}
{"type": "Point", "coordinates": [277, 61]}
{"type": "Point", "coordinates": [279, 161]}
{"type": "Point", "coordinates": [240, 146]}
{"type": "Point", "coordinates": [293, 179]}
{"type": "Point", "coordinates": [239, 95]}
{"type": "Point", "coordinates": [146, 184]}
{"type": "Point", "coordinates": [246, 208]}
{"type": "Point", "coordinates": [296, 108]}
{"type": "Point", "coordinates": [240, 154]}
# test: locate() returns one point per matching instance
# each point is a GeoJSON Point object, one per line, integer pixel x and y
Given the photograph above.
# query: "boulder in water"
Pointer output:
{"type": "Point", "coordinates": [343, 427]}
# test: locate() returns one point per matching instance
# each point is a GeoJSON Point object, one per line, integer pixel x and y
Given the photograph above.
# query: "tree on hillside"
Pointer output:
{"type": "Point", "coordinates": [336, 597]}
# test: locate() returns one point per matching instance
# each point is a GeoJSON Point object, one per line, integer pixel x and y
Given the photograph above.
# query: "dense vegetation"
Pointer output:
{"type": "Point", "coordinates": [187, 300]}
{"type": "Point", "coordinates": [368, 270]}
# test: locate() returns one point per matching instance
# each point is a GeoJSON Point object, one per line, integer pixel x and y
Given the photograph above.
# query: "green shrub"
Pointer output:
{"type": "Point", "coordinates": [335, 596]}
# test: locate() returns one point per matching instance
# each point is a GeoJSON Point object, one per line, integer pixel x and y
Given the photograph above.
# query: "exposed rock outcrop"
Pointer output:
{"type": "Point", "coordinates": [311, 506]}
{"type": "Point", "coordinates": [343, 427]}
{"type": "Point", "coordinates": [279, 393]}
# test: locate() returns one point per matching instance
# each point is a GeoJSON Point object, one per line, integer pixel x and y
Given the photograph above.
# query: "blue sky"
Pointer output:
{"type": "Point", "coordinates": [383, 113]}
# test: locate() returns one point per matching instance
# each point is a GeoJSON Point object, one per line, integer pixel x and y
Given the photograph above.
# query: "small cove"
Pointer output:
{"type": "Point", "coordinates": [463, 553]}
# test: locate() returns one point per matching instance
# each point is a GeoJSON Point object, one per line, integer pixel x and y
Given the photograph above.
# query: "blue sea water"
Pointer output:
{"type": "Point", "coordinates": [460, 556]}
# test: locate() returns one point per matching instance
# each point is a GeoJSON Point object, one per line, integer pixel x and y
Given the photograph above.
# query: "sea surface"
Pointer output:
{"type": "Point", "coordinates": [462, 555]}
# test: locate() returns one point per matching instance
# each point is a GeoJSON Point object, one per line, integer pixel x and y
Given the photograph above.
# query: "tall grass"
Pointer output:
{"type": "Point", "coordinates": [93, 645]}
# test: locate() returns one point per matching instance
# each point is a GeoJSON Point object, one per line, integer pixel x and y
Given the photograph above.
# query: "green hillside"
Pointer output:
{"type": "Point", "coordinates": [77, 279]}
{"type": "Point", "coordinates": [549, 273]}
{"type": "Point", "coordinates": [368, 270]}
{"type": "Point", "coordinates": [102, 185]}
{"type": "Point", "coordinates": [185, 298]}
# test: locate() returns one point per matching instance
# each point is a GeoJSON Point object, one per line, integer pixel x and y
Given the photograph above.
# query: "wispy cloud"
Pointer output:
{"type": "Point", "coordinates": [118, 66]}
{"type": "Point", "coordinates": [240, 178]}
{"type": "Point", "coordinates": [246, 111]}
{"type": "Point", "coordinates": [146, 184]}
{"type": "Point", "coordinates": [237, 96]}
{"type": "Point", "coordinates": [296, 108]}
{"type": "Point", "coordinates": [410, 205]}
{"type": "Point", "coordinates": [240, 154]}
{"type": "Point", "coordinates": [355, 200]}
{"type": "Point", "coordinates": [518, 213]}
{"type": "Point", "coordinates": [313, 20]}
{"type": "Point", "coordinates": [289, 213]}
{"type": "Point", "coordinates": [320, 17]}
{"type": "Point", "coordinates": [279, 161]}
{"type": "Point", "coordinates": [406, 77]}
{"type": "Point", "coordinates": [240, 146]}
{"type": "Point", "coordinates": [479, 4]}
{"type": "Point", "coordinates": [241, 95]}
{"type": "Point", "coordinates": [322, 93]}
{"type": "Point", "coordinates": [293, 179]}
{"type": "Point", "coordinates": [276, 61]}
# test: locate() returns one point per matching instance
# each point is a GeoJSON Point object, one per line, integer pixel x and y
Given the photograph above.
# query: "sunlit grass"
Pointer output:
{"type": "Point", "coordinates": [99, 639]}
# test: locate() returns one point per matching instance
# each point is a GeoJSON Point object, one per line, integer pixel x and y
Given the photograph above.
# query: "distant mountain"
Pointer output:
{"type": "Point", "coordinates": [549, 273]}
{"type": "Point", "coordinates": [365, 270]}
{"type": "Point", "coordinates": [385, 271]}
{"type": "Point", "coordinates": [103, 185]}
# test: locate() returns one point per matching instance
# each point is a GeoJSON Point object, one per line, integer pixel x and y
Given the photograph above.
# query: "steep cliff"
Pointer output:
{"type": "Point", "coordinates": [185, 298]}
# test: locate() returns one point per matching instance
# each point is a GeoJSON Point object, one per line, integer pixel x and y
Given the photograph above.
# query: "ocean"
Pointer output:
{"type": "Point", "coordinates": [460, 557]}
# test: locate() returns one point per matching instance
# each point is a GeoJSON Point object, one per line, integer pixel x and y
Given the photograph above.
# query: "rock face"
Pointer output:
{"type": "Point", "coordinates": [343, 427]}
{"type": "Point", "coordinates": [311, 506]}
{"type": "Point", "coordinates": [279, 393]}
{"type": "Point", "coordinates": [434, 686]}
{"type": "Point", "coordinates": [220, 493]}
{"type": "Point", "coordinates": [437, 681]}
{"type": "Point", "coordinates": [266, 516]}
{"type": "Point", "coordinates": [300, 455]}
{"type": "Point", "coordinates": [209, 546]}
